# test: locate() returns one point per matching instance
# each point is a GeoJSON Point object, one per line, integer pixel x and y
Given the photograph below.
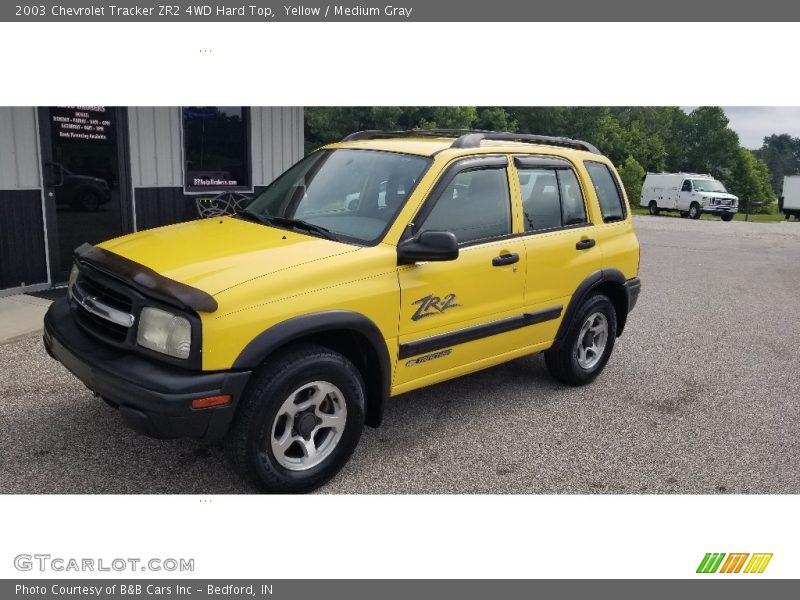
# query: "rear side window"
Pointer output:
{"type": "Point", "coordinates": [475, 206]}
{"type": "Point", "coordinates": [551, 199]}
{"type": "Point", "coordinates": [608, 193]}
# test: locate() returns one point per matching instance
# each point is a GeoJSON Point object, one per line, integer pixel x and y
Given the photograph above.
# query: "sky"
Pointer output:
{"type": "Point", "coordinates": [753, 123]}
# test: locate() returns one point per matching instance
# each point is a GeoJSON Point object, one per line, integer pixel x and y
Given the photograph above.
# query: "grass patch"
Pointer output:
{"type": "Point", "coordinates": [757, 218]}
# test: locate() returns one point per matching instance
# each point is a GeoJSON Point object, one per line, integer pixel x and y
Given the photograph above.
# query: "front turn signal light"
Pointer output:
{"type": "Point", "coordinates": [211, 401]}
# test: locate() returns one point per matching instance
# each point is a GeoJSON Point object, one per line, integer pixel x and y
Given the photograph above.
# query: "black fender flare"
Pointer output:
{"type": "Point", "coordinates": [599, 278]}
{"type": "Point", "coordinates": [281, 334]}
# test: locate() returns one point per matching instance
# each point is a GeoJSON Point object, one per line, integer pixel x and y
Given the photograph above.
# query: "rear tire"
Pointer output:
{"type": "Point", "coordinates": [684, 214]}
{"type": "Point", "coordinates": [694, 211]}
{"type": "Point", "coordinates": [726, 217]}
{"type": "Point", "coordinates": [299, 421]}
{"type": "Point", "coordinates": [653, 207]}
{"type": "Point", "coordinates": [594, 325]}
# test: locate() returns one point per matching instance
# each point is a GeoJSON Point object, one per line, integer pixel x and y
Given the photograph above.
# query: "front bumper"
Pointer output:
{"type": "Point", "coordinates": [718, 209]}
{"type": "Point", "coordinates": [154, 399]}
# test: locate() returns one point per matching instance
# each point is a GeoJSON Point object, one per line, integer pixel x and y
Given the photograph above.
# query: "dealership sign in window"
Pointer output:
{"type": "Point", "coordinates": [81, 123]}
{"type": "Point", "coordinates": [215, 147]}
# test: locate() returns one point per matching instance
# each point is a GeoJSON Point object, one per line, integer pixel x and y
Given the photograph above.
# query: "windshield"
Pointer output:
{"type": "Point", "coordinates": [708, 185]}
{"type": "Point", "coordinates": [351, 194]}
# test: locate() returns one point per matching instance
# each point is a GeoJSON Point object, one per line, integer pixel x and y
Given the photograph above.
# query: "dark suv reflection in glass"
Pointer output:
{"type": "Point", "coordinates": [78, 191]}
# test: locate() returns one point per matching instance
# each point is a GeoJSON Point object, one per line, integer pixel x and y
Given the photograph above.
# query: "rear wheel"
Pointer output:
{"type": "Point", "coordinates": [653, 207]}
{"type": "Point", "coordinates": [299, 421]}
{"type": "Point", "coordinates": [694, 211]}
{"type": "Point", "coordinates": [588, 343]}
{"type": "Point", "coordinates": [684, 214]}
{"type": "Point", "coordinates": [726, 217]}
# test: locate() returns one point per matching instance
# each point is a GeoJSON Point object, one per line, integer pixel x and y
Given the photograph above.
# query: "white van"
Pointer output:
{"type": "Point", "coordinates": [789, 202]}
{"type": "Point", "coordinates": [690, 194]}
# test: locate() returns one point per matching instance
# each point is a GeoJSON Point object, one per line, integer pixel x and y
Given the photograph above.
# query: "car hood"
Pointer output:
{"type": "Point", "coordinates": [219, 253]}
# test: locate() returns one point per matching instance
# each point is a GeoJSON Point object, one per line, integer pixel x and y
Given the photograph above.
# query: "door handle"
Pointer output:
{"type": "Point", "coordinates": [505, 259]}
{"type": "Point", "coordinates": [585, 244]}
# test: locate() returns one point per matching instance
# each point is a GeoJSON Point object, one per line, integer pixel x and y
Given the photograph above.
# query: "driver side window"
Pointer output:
{"type": "Point", "coordinates": [687, 186]}
{"type": "Point", "coordinates": [475, 206]}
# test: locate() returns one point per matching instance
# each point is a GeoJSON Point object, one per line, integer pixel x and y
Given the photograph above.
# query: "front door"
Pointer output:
{"type": "Point", "coordinates": [685, 195]}
{"type": "Point", "coordinates": [85, 182]}
{"type": "Point", "coordinates": [461, 312]}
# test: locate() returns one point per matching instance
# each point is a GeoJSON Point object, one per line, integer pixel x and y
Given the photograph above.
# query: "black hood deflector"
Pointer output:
{"type": "Point", "coordinates": [145, 280]}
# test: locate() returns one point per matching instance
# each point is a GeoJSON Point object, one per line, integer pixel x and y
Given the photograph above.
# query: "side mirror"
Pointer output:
{"type": "Point", "coordinates": [428, 246]}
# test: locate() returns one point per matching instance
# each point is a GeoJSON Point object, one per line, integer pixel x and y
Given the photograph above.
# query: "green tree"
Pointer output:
{"type": "Point", "coordinates": [632, 175]}
{"type": "Point", "coordinates": [712, 146]}
{"type": "Point", "coordinates": [447, 117]}
{"type": "Point", "coordinates": [496, 118]}
{"type": "Point", "coordinates": [781, 153]}
{"type": "Point", "coordinates": [749, 179]}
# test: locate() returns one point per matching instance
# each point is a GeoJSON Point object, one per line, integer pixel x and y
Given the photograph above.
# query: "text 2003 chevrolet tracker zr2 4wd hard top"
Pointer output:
{"type": "Point", "coordinates": [375, 266]}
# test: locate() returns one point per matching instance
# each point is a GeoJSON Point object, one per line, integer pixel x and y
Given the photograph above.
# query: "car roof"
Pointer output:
{"type": "Point", "coordinates": [432, 146]}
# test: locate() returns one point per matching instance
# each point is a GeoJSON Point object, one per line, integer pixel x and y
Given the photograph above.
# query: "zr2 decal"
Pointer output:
{"type": "Point", "coordinates": [433, 305]}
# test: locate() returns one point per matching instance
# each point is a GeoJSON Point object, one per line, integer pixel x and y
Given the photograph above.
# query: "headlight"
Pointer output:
{"type": "Point", "coordinates": [164, 332]}
{"type": "Point", "coordinates": [73, 276]}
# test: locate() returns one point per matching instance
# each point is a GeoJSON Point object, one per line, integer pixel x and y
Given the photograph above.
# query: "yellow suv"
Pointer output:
{"type": "Point", "coordinates": [381, 264]}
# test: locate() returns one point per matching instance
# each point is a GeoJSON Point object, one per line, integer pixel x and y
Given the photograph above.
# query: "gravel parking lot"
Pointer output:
{"type": "Point", "coordinates": [702, 395]}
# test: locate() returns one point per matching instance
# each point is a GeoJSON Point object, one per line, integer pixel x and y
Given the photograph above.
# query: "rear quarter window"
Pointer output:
{"type": "Point", "coordinates": [609, 194]}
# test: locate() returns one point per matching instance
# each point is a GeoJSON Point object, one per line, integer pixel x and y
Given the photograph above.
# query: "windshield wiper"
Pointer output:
{"type": "Point", "coordinates": [301, 224]}
{"type": "Point", "coordinates": [251, 216]}
{"type": "Point", "coordinates": [287, 222]}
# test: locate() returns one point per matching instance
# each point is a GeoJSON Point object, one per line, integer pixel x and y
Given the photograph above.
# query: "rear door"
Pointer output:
{"type": "Point", "coordinates": [613, 228]}
{"type": "Point", "coordinates": [560, 241]}
{"type": "Point", "coordinates": [464, 312]}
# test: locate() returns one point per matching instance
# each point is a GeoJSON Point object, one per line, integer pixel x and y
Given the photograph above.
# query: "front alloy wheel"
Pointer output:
{"type": "Point", "coordinates": [308, 426]}
{"type": "Point", "coordinates": [299, 420]}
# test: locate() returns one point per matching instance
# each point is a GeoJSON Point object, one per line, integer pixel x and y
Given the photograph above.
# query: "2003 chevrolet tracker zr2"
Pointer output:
{"type": "Point", "coordinates": [384, 263]}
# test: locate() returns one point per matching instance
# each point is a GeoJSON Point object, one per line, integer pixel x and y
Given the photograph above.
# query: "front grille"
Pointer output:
{"type": "Point", "coordinates": [101, 327]}
{"type": "Point", "coordinates": [105, 294]}
{"type": "Point", "coordinates": [93, 298]}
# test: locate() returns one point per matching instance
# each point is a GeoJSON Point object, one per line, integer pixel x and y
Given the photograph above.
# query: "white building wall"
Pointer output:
{"type": "Point", "coordinates": [19, 149]}
{"type": "Point", "coordinates": [277, 139]}
{"type": "Point", "coordinates": [155, 146]}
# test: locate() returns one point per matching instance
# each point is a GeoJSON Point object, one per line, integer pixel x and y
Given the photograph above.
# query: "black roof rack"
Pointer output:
{"type": "Point", "coordinates": [472, 138]}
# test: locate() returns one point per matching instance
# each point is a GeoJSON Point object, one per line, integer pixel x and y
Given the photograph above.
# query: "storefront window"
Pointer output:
{"type": "Point", "coordinates": [216, 148]}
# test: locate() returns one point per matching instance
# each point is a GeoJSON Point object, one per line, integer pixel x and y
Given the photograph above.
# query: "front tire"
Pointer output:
{"type": "Point", "coordinates": [90, 201]}
{"type": "Point", "coordinates": [653, 207]}
{"type": "Point", "coordinates": [587, 345]}
{"type": "Point", "coordinates": [726, 217]}
{"type": "Point", "coordinates": [694, 211]}
{"type": "Point", "coordinates": [299, 421]}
